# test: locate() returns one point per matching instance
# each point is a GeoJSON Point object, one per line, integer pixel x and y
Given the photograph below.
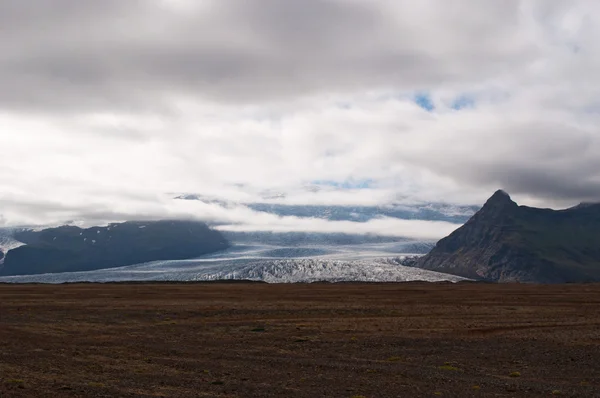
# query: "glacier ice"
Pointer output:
{"type": "Point", "coordinates": [272, 264]}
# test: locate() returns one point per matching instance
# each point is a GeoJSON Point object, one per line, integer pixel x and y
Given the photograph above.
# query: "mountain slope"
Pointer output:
{"type": "Point", "coordinates": [505, 242]}
{"type": "Point", "coordinates": [70, 248]}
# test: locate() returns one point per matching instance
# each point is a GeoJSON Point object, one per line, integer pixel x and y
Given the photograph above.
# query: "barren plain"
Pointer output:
{"type": "Point", "coordinates": [299, 340]}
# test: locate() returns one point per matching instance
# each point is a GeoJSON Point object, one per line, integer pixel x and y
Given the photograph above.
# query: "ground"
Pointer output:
{"type": "Point", "coordinates": [317, 340]}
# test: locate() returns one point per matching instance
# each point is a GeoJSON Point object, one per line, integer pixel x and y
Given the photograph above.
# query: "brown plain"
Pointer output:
{"type": "Point", "coordinates": [298, 340]}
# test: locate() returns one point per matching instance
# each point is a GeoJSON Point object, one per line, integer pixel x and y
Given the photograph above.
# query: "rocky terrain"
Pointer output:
{"type": "Point", "coordinates": [70, 248]}
{"type": "Point", "coordinates": [505, 242]}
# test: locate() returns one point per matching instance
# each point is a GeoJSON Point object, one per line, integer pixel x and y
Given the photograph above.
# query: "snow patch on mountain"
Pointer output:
{"type": "Point", "coordinates": [7, 242]}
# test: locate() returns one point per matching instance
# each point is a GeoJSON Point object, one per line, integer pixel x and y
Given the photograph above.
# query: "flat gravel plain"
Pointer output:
{"type": "Point", "coordinates": [299, 340]}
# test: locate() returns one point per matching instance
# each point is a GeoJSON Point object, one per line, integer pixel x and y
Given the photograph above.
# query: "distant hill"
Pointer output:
{"type": "Point", "coordinates": [355, 213]}
{"type": "Point", "coordinates": [295, 239]}
{"type": "Point", "coordinates": [69, 248]}
{"type": "Point", "coordinates": [505, 242]}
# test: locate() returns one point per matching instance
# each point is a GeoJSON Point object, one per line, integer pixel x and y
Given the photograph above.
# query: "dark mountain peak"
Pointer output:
{"type": "Point", "coordinates": [501, 192]}
{"type": "Point", "coordinates": [497, 207]}
{"type": "Point", "coordinates": [500, 198]}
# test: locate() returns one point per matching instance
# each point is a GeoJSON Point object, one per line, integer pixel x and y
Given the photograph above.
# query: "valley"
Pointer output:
{"type": "Point", "coordinates": [274, 263]}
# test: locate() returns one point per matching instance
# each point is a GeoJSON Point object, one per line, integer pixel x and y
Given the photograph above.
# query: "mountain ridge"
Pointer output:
{"type": "Point", "coordinates": [505, 242]}
{"type": "Point", "coordinates": [70, 248]}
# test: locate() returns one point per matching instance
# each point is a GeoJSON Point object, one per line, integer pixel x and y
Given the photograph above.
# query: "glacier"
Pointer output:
{"type": "Point", "coordinates": [372, 262]}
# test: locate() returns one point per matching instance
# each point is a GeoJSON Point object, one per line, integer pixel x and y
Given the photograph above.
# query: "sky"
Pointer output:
{"type": "Point", "coordinates": [109, 109]}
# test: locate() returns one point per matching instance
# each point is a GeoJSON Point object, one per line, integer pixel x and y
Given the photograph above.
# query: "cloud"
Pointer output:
{"type": "Point", "coordinates": [107, 107]}
{"type": "Point", "coordinates": [82, 55]}
{"type": "Point", "coordinates": [416, 229]}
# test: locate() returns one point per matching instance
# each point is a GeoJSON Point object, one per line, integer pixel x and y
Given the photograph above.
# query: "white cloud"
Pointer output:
{"type": "Point", "coordinates": [417, 229]}
{"type": "Point", "coordinates": [231, 98]}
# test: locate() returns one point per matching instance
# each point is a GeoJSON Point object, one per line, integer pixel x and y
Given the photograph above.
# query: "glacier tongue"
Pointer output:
{"type": "Point", "coordinates": [280, 263]}
{"type": "Point", "coordinates": [316, 270]}
{"type": "Point", "coordinates": [271, 271]}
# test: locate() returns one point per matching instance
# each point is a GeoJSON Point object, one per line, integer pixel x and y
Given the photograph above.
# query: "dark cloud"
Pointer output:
{"type": "Point", "coordinates": [74, 55]}
{"type": "Point", "coordinates": [536, 152]}
{"type": "Point", "coordinates": [554, 186]}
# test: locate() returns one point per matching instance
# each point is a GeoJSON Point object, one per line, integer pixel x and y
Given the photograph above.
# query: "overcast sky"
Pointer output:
{"type": "Point", "coordinates": [108, 108]}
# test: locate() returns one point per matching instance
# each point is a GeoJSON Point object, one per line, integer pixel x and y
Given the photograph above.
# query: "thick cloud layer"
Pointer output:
{"type": "Point", "coordinates": [109, 108]}
{"type": "Point", "coordinates": [84, 54]}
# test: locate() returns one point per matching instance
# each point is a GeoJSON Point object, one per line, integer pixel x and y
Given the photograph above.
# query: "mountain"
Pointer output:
{"type": "Point", "coordinates": [70, 248]}
{"type": "Point", "coordinates": [326, 239]}
{"type": "Point", "coordinates": [428, 211]}
{"type": "Point", "coordinates": [504, 242]}
{"type": "Point", "coordinates": [356, 213]}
